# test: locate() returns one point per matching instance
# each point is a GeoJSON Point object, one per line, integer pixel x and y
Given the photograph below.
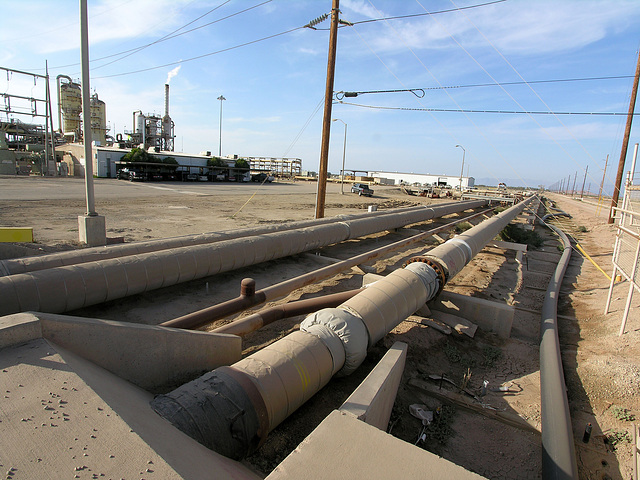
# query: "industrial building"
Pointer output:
{"type": "Point", "coordinates": [397, 178]}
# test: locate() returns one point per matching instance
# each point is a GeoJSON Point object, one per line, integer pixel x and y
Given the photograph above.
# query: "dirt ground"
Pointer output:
{"type": "Point", "coordinates": [602, 372]}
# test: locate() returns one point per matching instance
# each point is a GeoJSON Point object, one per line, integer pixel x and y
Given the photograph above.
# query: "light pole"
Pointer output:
{"type": "Point", "coordinates": [221, 98]}
{"type": "Point", "coordinates": [462, 169]}
{"type": "Point", "coordinates": [344, 152]}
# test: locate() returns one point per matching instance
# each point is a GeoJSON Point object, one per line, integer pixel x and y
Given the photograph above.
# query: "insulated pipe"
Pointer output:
{"type": "Point", "coordinates": [558, 449]}
{"type": "Point", "coordinates": [61, 289]}
{"type": "Point", "coordinates": [280, 380]}
{"type": "Point", "coordinates": [73, 257]}
{"type": "Point", "coordinates": [221, 310]}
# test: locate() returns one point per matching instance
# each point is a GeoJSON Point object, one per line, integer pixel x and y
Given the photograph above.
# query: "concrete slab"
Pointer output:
{"type": "Point", "coordinates": [19, 328]}
{"type": "Point", "coordinates": [343, 447]}
{"type": "Point", "coordinates": [489, 316]}
{"type": "Point", "coordinates": [64, 417]}
{"type": "Point", "coordinates": [373, 400]}
{"type": "Point", "coordinates": [518, 247]}
{"type": "Point", "coordinates": [157, 359]}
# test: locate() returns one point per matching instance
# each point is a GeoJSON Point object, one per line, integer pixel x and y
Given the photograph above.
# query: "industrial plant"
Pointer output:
{"type": "Point", "coordinates": [32, 148]}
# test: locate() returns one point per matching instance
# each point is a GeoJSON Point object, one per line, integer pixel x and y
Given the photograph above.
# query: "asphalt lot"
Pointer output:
{"type": "Point", "coordinates": [56, 188]}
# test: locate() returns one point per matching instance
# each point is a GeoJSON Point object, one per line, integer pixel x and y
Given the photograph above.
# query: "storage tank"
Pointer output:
{"type": "Point", "coordinates": [71, 107]}
{"type": "Point", "coordinates": [98, 110]}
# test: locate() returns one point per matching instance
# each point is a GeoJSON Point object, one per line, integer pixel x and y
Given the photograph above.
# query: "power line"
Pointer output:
{"type": "Point", "coordinates": [465, 110]}
{"type": "Point", "coordinates": [400, 17]}
{"type": "Point", "coordinates": [161, 39]}
{"type": "Point", "coordinates": [179, 62]}
{"type": "Point", "coordinates": [422, 90]}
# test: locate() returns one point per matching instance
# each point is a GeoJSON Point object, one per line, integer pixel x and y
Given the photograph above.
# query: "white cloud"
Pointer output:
{"type": "Point", "coordinates": [515, 27]}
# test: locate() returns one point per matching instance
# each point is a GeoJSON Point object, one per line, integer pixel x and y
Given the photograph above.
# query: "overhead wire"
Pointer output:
{"type": "Point", "coordinates": [466, 110]}
{"type": "Point", "coordinates": [522, 78]}
{"type": "Point", "coordinates": [198, 57]}
{"type": "Point", "coordinates": [163, 38]}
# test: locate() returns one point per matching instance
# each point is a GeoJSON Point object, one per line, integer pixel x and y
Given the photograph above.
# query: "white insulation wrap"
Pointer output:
{"type": "Point", "coordinates": [386, 303]}
{"type": "Point", "coordinates": [288, 372]}
{"type": "Point", "coordinates": [348, 328]}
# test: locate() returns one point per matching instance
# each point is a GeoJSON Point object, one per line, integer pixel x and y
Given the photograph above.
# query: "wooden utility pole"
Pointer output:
{"type": "Point", "coordinates": [573, 190]}
{"type": "Point", "coordinates": [328, 102]}
{"type": "Point", "coordinates": [584, 181]}
{"type": "Point", "coordinates": [625, 143]}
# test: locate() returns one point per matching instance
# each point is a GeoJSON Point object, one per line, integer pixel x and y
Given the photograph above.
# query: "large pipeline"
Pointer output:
{"type": "Point", "coordinates": [30, 264]}
{"type": "Point", "coordinates": [232, 409]}
{"type": "Point", "coordinates": [249, 297]}
{"type": "Point", "coordinates": [558, 449]}
{"type": "Point", "coordinates": [61, 289]}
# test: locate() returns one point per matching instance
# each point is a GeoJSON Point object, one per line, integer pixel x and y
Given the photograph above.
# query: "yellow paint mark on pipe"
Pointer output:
{"type": "Point", "coordinates": [592, 261]}
{"type": "Point", "coordinates": [16, 234]}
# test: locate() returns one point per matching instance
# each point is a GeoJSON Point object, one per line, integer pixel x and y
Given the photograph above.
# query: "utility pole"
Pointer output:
{"type": "Point", "coordinates": [583, 182]}
{"type": "Point", "coordinates": [568, 182]}
{"type": "Point", "coordinates": [328, 103]}
{"type": "Point", "coordinates": [573, 190]}
{"type": "Point", "coordinates": [561, 184]}
{"type": "Point", "coordinates": [625, 142]}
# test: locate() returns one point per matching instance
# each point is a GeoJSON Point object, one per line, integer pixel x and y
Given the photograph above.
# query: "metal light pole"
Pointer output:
{"type": "Point", "coordinates": [462, 169]}
{"type": "Point", "coordinates": [344, 152]}
{"type": "Point", "coordinates": [221, 98]}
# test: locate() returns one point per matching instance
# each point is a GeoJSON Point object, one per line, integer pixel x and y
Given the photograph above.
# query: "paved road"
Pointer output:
{"type": "Point", "coordinates": [41, 188]}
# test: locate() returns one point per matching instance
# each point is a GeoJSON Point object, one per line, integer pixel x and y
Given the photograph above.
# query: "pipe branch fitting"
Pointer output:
{"type": "Point", "coordinates": [343, 333]}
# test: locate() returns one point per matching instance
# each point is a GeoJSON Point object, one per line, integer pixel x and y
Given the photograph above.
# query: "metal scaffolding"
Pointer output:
{"type": "Point", "coordinates": [626, 252]}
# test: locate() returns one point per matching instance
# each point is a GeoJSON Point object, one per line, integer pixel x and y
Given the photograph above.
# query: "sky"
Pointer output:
{"type": "Point", "coordinates": [272, 72]}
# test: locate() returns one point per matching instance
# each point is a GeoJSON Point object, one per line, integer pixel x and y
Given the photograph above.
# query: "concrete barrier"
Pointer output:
{"type": "Point", "coordinates": [373, 400]}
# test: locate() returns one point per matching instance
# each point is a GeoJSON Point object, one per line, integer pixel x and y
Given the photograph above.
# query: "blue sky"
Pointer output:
{"type": "Point", "coordinates": [273, 87]}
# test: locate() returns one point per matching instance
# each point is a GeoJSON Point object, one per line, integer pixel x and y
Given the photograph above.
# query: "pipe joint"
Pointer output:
{"type": "Point", "coordinates": [417, 265]}
{"type": "Point", "coordinates": [331, 324]}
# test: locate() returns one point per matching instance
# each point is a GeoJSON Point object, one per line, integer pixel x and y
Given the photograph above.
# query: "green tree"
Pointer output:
{"type": "Point", "coordinates": [137, 155]}
{"type": "Point", "coordinates": [216, 162]}
{"type": "Point", "coordinates": [242, 163]}
{"type": "Point", "coordinates": [169, 161]}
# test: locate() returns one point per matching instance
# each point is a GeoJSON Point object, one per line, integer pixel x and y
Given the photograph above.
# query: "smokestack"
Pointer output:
{"type": "Point", "coordinates": [166, 99]}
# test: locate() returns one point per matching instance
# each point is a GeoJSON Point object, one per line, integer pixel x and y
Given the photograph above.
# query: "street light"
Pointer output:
{"type": "Point", "coordinates": [344, 151]}
{"type": "Point", "coordinates": [462, 169]}
{"type": "Point", "coordinates": [221, 98]}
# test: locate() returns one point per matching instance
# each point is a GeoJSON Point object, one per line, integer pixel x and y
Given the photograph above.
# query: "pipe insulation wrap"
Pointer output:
{"type": "Point", "coordinates": [388, 302]}
{"type": "Point", "coordinates": [288, 372]}
{"type": "Point", "coordinates": [454, 253]}
{"type": "Point", "coordinates": [348, 328]}
{"type": "Point", "coordinates": [27, 264]}
{"type": "Point", "coordinates": [216, 411]}
{"type": "Point", "coordinates": [56, 290]}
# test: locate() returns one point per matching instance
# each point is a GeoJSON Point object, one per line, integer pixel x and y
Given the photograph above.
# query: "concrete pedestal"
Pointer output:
{"type": "Point", "coordinates": [92, 230]}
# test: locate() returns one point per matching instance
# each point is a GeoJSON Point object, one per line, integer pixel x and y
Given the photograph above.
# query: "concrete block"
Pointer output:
{"type": "Point", "coordinates": [155, 358]}
{"type": "Point", "coordinates": [19, 328]}
{"type": "Point", "coordinates": [489, 316]}
{"type": "Point", "coordinates": [92, 230]}
{"type": "Point", "coordinates": [16, 234]}
{"type": "Point", "coordinates": [373, 400]}
{"type": "Point", "coordinates": [120, 433]}
{"type": "Point", "coordinates": [354, 449]}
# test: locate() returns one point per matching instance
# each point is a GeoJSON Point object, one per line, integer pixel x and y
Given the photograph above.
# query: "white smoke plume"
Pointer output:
{"type": "Point", "coordinates": [173, 73]}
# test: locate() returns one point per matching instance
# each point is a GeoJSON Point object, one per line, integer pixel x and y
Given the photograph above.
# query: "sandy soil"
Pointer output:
{"type": "Point", "coordinates": [603, 377]}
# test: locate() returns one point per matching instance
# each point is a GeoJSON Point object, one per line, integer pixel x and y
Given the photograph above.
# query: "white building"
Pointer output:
{"type": "Point", "coordinates": [421, 178]}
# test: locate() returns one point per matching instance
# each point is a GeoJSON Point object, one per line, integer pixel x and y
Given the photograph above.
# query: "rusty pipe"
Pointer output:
{"type": "Point", "coordinates": [255, 321]}
{"type": "Point", "coordinates": [279, 380]}
{"type": "Point", "coordinates": [210, 314]}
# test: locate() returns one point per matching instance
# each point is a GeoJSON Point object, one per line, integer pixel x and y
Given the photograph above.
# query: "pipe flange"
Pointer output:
{"type": "Point", "coordinates": [437, 267]}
